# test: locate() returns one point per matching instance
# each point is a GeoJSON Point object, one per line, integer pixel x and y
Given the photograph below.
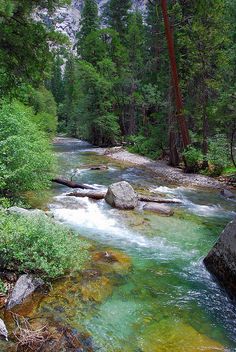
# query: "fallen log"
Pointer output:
{"type": "Point", "coordinates": [154, 199]}
{"type": "Point", "coordinates": [71, 184]}
{"type": "Point", "coordinates": [90, 194]}
{"type": "Point", "coordinates": [96, 194]}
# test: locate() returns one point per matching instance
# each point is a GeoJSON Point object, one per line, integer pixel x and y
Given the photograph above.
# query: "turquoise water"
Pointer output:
{"type": "Point", "coordinates": [165, 300]}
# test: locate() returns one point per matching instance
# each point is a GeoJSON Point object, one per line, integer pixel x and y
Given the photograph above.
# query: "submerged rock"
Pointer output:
{"type": "Point", "coordinates": [121, 195]}
{"type": "Point", "coordinates": [3, 330]}
{"type": "Point", "coordinates": [227, 194]}
{"type": "Point", "coordinates": [158, 208]}
{"type": "Point", "coordinates": [96, 289]}
{"type": "Point", "coordinates": [112, 261]}
{"type": "Point", "coordinates": [221, 260]}
{"type": "Point", "coordinates": [25, 285]}
{"type": "Point", "coordinates": [171, 336]}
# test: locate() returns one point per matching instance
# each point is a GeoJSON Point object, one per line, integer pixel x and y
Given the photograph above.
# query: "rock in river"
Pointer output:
{"type": "Point", "coordinates": [121, 195]}
{"type": "Point", "coordinates": [158, 208]}
{"type": "Point", "coordinates": [25, 285]}
{"type": "Point", "coordinates": [221, 260]}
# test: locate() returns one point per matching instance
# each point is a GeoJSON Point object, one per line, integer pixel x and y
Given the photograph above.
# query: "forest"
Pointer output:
{"type": "Point", "coordinates": [143, 102]}
{"type": "Point", "coordinates": [115, 85]}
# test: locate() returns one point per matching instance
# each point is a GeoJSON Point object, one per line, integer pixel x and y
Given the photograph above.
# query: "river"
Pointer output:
{"type": "Point", "coordinates": [166, 300]}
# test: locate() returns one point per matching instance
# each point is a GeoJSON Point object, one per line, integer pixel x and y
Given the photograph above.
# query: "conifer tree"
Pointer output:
{"type": "Point", "coordinates": [89, 23]}
{"type": "Point", "coordinates": [116, 15]}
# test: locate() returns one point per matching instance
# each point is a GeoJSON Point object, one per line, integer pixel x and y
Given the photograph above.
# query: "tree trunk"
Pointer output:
{"type": "Point", "coordinates": [71, 184]}
{"type": "Point", "coordinates": [177, 91]}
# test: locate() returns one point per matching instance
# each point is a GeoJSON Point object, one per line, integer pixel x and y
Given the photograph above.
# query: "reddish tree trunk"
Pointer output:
{"type": "Point", "coordinates": [177, 91]}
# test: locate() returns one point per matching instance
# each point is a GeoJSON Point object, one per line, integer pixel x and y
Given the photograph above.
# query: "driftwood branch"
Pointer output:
{"type": "Point", "coordinates": [90, 194]}
{"type": "Point", "coordinates": [154, 199]}
{"type": "Point", "coordinates": [71, 184]}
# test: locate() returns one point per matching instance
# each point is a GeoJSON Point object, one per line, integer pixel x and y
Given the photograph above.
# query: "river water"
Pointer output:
{"type": "Point", "coordinates": [166, 300]}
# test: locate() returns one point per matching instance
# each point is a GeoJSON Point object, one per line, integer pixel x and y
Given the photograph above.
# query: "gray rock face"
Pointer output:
{"type": "Point", "coordinates": [66, 19]}
{"type": "Point", "coordinates": [158, 208]}
{"type": "Point", "coordinates": [121, 195]}
{"type": "Point", "coordinates": [25, 285]}
{"type": "Point", "coordinates": [25, 212]}
{"type": "Point", "coordinates": [221, 260]}
{"type": "Point", "coordinates": [3, 330]}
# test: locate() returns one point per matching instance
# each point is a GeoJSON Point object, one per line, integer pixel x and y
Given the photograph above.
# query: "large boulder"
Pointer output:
{"type": "Point", "coordinates": [221, 260]}
{"type": "Point", "coordinates": [121, 195]}
{"type": "Point", "coordinates": [25, 285]}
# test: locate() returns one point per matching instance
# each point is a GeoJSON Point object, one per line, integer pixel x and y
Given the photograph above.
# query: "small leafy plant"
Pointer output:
{"type": "Point", "coordinates": [39, 245]}
{"type": "Point", "coordinates": [193, 157]}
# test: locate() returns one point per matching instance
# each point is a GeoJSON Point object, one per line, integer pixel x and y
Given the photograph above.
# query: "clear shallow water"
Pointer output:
{"type": "Point", "coordinates": [167, 301]}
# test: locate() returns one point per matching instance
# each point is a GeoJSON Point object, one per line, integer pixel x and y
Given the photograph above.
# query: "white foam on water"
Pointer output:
{"type": "Point", "coordinates": [98, 221]}
{"type": "Point", "coordinates": [206, 210]}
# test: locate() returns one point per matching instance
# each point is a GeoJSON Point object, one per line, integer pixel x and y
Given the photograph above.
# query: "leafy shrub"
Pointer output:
{"type": "Point", "coordinates": [39, 245]}
{"type": "Point", "coordinates": [218, 154]}
{"type": "Point", "coordinates": [26, 159]}
{"type": "Point", "coordinates": [193, 157]}
{"type": "Point", "coordinates": [2, 287]}
{"type": "Point", "coordinates": [144, 146]}
{"type": "Point", "coordinates": [46, 123]}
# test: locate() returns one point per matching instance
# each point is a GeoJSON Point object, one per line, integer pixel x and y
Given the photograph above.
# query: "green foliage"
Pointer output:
{"type": "Point", "coordinates": [39, 245]}
{"type": "Point", "coordinates": [95, 106]}
{"type": "Point", "coordinates": [26, 160]}
{"type": "Point", "coordinates": [193, 158]}
{"type": "Point", "coordinates": [3, 288]}
{"type": "Point", "coordinates": [42, 100]}
{"type": "Point", "coordinates": [24, 44]}
{"type": "Point", "coordinates": [218, 154]}
{"type": "Point", "coordinates": [46, 123]}
{"type": "Point", "coordinates": [89, 23]}
{"type": "Point", "coordinates": [117, 14]}
{"type": "Point", "coordinates": [145, 146]}
{"type": "Point", "coordinates": [45, 109]}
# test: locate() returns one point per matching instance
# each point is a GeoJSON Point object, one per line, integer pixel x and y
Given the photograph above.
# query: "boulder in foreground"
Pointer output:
{"type": "Point", "coordinates": [221, 260]}
{"type": "Point", "coordinates": [25, 285]}
{"type": "Point", "coordinates": [121, 195]}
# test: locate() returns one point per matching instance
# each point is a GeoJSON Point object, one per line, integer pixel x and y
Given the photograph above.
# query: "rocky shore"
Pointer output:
{"type": "Point", "coordinates": [160, 168]}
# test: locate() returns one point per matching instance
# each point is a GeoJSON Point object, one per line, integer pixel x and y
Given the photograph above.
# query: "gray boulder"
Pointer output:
{"type": "Point", "coordinates": [158, 208]}
{"type": "Point", "coordinates": [226, 193]}
{"type": "Point", "coordinates": [3, 330]}
{"type": "Point", "coordinates": [25, 212]}
{"type": "Point", "coordinates": [121, 195]}
{"type": "Point", "coordinates": [221, 260]}
{"type": "Point", "coordinates": [25, 285]}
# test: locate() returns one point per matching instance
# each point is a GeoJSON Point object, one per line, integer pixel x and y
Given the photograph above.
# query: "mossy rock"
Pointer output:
{"type": "Point", "coordinates": [171, 336]}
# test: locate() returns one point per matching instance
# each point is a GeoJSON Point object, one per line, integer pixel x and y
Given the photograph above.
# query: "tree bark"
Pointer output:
{"type": "Point", "coordinates": [174, 71]}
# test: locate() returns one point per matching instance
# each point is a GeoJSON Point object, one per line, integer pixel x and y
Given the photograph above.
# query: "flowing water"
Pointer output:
{"type": "Point", "coordinates": [166, 301]}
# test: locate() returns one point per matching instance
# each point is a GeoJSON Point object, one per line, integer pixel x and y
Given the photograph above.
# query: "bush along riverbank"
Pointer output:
{"type": "Point", "coordinates": [34, 252]}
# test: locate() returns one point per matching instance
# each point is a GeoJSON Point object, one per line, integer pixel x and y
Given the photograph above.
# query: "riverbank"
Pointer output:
{"type": "Point", "coordinates": [168, 173]}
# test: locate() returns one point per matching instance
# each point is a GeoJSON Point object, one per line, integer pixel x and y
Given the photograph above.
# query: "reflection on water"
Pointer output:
{"type": "Point", "coordinates": [168, 301]}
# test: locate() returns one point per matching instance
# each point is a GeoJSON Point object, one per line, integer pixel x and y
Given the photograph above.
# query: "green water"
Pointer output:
{"type": "Point", "coordinates": [166, 301]}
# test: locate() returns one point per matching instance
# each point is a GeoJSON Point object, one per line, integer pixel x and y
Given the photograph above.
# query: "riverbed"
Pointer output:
{"type": "Point", "coordinates": [159, 297]}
